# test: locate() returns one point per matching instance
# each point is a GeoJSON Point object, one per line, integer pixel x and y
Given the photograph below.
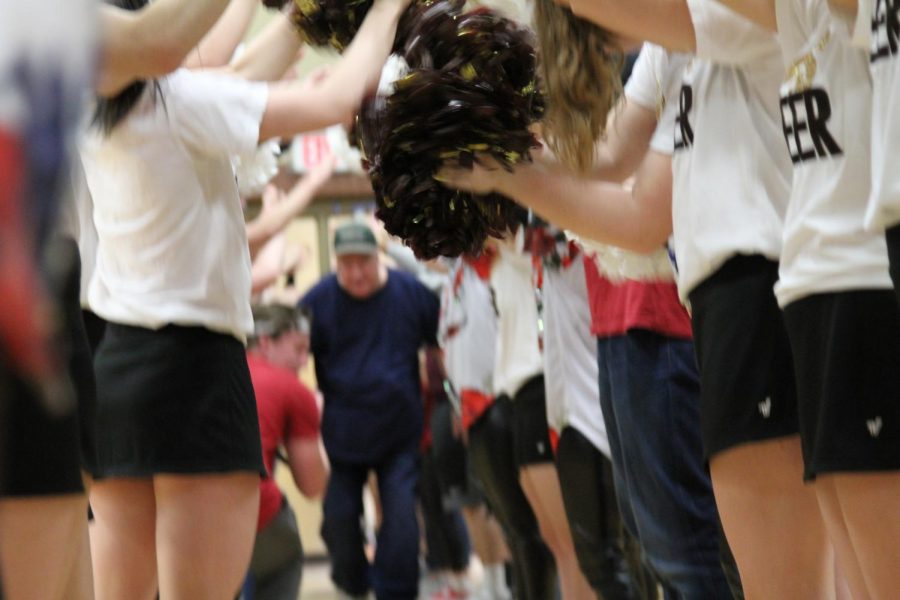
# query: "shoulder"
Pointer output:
{"type": "Point", "coordinates": [325, 286]}
{"type": "Point", "coordinates": [408, 285]}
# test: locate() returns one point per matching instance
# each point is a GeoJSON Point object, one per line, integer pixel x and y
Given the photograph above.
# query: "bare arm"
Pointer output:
{"type": "Point", "coordinates": [218, 46]}
{"type": "Point", "coordinates": [152, 41]}
{"type": "Point", "coordinates": [663, 22]}
{"type": "Point", "coordinates": [278, 209]}
{"type": "Point", "coordinates": [271, 53]}
{"type": "Point", "coordinates": [292, 109]}
{"type": "Point", "coordinates": [639, 219]}
{"type": "Point", "coordinates": [628, 134]}
{"type": "Point", "coordinates": [309, 465]}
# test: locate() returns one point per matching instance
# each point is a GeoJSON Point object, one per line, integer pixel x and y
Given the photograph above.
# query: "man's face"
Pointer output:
{"type": "Point", "coordinates": [358, 274]}
{"type": "Point", "coordinates": [290, 350]}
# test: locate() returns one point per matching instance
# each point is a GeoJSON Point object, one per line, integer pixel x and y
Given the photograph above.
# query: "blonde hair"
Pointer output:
{"type": "Point", "coordinates": [580, 72]}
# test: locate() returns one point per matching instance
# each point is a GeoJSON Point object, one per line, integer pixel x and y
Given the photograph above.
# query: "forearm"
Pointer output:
{"type": "Point", "coordinates": [218, 46]}
{"type": "Point", "coordinates": [152, 41]}
{"type": "Point", "coordinates": [663, 22]}
{"type": "Point", "coordinates": [599, 210]}
{"type": "Point", "coordinates": [295, 109]}
{"type": "Point", "coordinates": [271, 53]}
{"type": "Point", "coordinates": [628, 132]}
{"type": "Point", "coordinates": [276, 218]}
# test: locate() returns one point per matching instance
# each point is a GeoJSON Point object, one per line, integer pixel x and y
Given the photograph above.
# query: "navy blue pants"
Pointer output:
{"type": "Point", "coordinates": [395, 574]}
{"type": "Point", "coordinates": [649, 392]}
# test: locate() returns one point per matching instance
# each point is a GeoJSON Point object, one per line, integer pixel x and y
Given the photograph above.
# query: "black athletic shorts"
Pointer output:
{"type": "Point", "coordinates": [747, 387]}
{"type": "Point", "coordinates": [530, 431]}
{"type": "Point", "coordinates": [893, 246]}
{"type": "Point", "coordinates": [177, 400]}
{"type": "Point", "coordinates": [847, 354]}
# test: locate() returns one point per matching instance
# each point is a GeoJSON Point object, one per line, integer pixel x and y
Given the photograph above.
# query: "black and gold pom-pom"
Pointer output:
{"type": "Point", "coordinates": [470, 92]}
{"type": "Point", "coordinates": [329, 22]}
{"type": "Point", "coordinates": [279, 4]}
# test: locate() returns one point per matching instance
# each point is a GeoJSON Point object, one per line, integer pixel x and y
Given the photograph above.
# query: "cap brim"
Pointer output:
{"type": "Point", "coordinates": [355, 249]}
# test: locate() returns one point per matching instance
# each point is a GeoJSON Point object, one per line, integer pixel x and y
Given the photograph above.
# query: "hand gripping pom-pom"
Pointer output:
{"type": "Point", "coordinates": [470, 92]}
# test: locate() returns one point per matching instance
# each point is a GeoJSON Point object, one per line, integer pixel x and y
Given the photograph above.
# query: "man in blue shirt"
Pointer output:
{"type": "Point", "coordinates": [369, 323]}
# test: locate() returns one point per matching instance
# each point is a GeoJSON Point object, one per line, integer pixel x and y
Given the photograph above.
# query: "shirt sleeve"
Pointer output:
{"type": "Point", "coordinates": [663, 139]}
{"type": "Point", "coordinates": [727, 38]}
{"type": "Point", "coordinates": [216, 114]}
{"type": "Point", "coordinates": [643, 87]}
{"type": "Point", "coordinates": [670, 72]}
{"type": "Point", "coordinates": [303, 414]}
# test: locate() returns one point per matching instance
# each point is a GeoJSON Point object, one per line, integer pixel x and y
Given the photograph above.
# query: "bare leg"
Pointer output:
{"type": "Point", "coordinates": [486, 536]}
{"type": "Point", "coordinates": [42, 547]}
{"type": "Point", "coordinates": [541, 486]}
{"type": "Point", "coordinates": [205, 528]}
{"type": "Point", "coordinates": [870, 507]}
{"type": "Point", "coordinates": [772, 521]}
{"type": "Point", "coordinates": [123, 539]}
{"type": "Point", "coordinates": [830, 508]}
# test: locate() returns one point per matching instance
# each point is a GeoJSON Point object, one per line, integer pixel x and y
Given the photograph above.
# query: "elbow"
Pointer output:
{"type": "Point", "coordinates": [167, 57]}
{"type": "Point", "coordinates": [651, 240]}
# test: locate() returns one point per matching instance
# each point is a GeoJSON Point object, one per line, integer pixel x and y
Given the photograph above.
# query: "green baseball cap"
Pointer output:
{"type": "Point", "coordinates": [354, 238]}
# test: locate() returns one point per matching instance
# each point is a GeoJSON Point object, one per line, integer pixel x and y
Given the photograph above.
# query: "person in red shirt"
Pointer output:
{"type": "Point", "coordinates": [288, 418]}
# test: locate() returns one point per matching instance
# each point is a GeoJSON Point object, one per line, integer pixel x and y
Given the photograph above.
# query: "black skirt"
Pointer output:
{"type": "Point", "coordinates": [178, 400]}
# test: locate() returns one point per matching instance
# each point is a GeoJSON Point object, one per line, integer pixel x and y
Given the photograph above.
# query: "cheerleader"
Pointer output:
{"type": "Point", "coordinates": [677, 531]}
{"type": "Point", "coordinates": [573, 410]}
{"type": "Point", "coordinates": [467, 334]}
{"type": "Point", "coordinates": [43, 529]}
{"type": "Point", "coordinates": [834, 289]}
{"type": "Point", "coordinates": [178, 450]}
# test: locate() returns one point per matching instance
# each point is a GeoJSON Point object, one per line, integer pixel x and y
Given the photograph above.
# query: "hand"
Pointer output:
{"type": "Point", "coordinates": [483, 178]}
{"type": "Point", "coordinates": [318, 175]}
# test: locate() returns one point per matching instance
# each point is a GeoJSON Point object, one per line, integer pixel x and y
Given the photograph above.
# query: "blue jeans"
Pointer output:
{"type": "Point", "coordinates": [395, 574]}
{"type": "Point", "coordinates": [649, 392]}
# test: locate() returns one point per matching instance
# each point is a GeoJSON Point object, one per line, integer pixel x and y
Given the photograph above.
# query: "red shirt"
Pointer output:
{"type": "Point", "coordinates": [287, 410]}
{"type": "Point", "coordinates": [618, 308]}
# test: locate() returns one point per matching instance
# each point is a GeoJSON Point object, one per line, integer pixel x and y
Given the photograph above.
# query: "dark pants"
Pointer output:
{"type": "Point", "coordinates": [649, 392]}
{"type": "Point", "coordinates": [395, 574]}
{"type": "Point", "coordinates": [893, 245]}
{"type": "Point", "coordinates": [446, 537]}
{"type": "Point", "coordinates": [276, 567]}
{"type": "Point", "coordinates": [586, 480]}
{"type": "Point", "coordinates": [491, 450]}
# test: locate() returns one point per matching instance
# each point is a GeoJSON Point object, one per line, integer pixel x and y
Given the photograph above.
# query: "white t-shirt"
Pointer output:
{"type": "Point", "coordinates": [731, 170]}
{"type": "Point", "coordinates": [518, 357]}
{"type": "Point", "coordinates": [571, 373]}
{"type": "Point", "coordinates": [825, 110]}
{"type": "Point", "coordinates": [884, 39]}
{"type": "Point", "coordinates": [655, 84]}
{"type": "Point", "coordinates": [172, 246]}
{"type": "Point", "coordinates": [467, 330]}
{"type": "Point", "coordinates": [77, 221]}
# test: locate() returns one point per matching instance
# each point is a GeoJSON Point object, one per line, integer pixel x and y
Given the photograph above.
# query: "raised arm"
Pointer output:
{"type": "Point", "coordinates": [639, 219]}
{"type": "Point", "coordinates": [628, 134]}
{"type": "Point", "coordinates": [218, 46]}
{"type": "Point", "coordinates": [271, 53]}
{"type": "Point", "coordinates": [152, 41]}
{"type": "Point", "coordinates": [663, 22]}
{"type": "Point", "coordinates": [292, 109]}
{"type": "Point", "coordinates": [278, 208]}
